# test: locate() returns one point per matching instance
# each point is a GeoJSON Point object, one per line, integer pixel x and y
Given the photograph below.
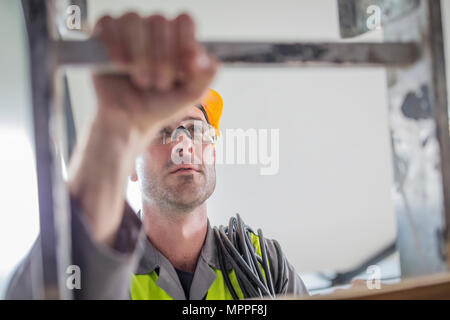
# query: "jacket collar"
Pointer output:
{"type": "Point", "coordinates": [152, 258]}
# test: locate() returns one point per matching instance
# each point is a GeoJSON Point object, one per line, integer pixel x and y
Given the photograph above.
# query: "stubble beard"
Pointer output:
{"type": "Point", "coordinates": [182, 196]}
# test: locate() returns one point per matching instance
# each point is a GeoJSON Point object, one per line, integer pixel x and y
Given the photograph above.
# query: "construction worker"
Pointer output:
{"type": "Point", "coordinates": [143, 122]}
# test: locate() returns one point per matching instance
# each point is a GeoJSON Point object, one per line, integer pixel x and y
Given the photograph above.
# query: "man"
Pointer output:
{"type": "Point", "coordinates": [148, 123]}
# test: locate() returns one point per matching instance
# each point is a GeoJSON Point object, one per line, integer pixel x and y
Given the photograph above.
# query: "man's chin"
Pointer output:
{"type": "Point", "coordinates": [186, 203]}
{"type": "Point", "coordinates": [190, 182]}
{"type": "Point", "coordinates": [186, 193]}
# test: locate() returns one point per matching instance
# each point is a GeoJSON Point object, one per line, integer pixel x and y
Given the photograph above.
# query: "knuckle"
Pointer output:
{"type": "Point", "coordinates": [184, 18]}
{"type": "Point", "coordinates": [187, 61]}
{"type": "Point", "coordinates": [105, 20]}
{"type": "Point", "coordinates": [158, 19]}
{"type": "Point", "coordinates": [155, 20]}
{"type": "Point", "coordinates": [101, 23]}
{"type": "Point", "coordinates": [129, 17]}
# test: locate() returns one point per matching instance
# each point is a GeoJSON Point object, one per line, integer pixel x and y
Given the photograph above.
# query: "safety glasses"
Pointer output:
{"type": "Point", "coordinates": [198, 131]}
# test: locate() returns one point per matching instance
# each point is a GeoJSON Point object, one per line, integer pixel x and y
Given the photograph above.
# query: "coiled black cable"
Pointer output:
{"type": "Point", "coordinates": [235, 247]}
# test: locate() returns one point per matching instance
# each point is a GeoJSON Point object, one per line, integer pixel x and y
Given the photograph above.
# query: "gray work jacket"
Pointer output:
{"type": "Point", "coordinates": [106, 272]}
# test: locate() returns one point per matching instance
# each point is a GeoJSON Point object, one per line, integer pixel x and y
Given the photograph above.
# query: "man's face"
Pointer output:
{"type": "Point", "coordinates": [177, 187]}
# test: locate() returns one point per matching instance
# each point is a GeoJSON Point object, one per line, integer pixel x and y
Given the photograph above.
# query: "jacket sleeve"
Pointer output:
{"type": "Point", "coordinates": [294, 283]}
{"type": "Point", "coordinates": [105, 271]}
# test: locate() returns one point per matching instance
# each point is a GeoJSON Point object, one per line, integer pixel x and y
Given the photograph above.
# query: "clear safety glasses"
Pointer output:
{"type": "Point", "coordinates": [198, 131]}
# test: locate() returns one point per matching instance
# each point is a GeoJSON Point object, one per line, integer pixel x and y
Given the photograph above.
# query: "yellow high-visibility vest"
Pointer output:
{"type": "Point", "coordinates": [144, 287]}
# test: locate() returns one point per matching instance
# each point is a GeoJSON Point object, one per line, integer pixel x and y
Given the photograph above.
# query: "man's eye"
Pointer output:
{"type": "Point", "coordinates": [195, 128]}
{"type": "Point", "coordinates": [165, 131]}
{"type": "Point", "coordinates": [163, 134]}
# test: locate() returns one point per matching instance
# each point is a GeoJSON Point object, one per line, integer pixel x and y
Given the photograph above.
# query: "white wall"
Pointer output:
{"type": "Point", "coordinates": [329, 206]}
{"type": "Point", "coordinates": [19, 223]}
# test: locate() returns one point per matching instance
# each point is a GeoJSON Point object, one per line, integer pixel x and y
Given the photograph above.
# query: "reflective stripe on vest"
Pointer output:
{"type": "Point", "coordinates": [144, 287]}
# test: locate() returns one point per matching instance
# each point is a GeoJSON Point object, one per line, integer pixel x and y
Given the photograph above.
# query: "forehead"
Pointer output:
{"type": "Point", "coordinates": [192, 113]}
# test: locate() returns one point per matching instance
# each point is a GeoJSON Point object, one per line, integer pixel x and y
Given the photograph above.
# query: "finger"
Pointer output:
{"type": "Point", "coordinates": [185, 45]}
{"type": "Point", "coordinates": [185, 94]}
{"type": "Point", "coordinates": [107, 84]}
{"type": "Point", "coordinates": [106, 29]}
{"type": "Point", "coordinates": [134, 39]}
{"type": "Point", "coordinates": [160, 51]}
{"type": "Point", "coordinates": [202, 73]}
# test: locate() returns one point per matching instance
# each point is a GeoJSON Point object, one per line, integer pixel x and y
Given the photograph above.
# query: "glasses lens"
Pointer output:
{"type": "Point", "coordinates": [198, 131]}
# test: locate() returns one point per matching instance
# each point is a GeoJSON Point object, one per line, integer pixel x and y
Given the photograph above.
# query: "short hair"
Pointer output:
{"type": "Point", "coordinates": [204, 112]}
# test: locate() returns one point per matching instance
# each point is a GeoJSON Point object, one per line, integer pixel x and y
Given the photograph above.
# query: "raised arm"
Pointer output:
{"type": "Point", "coordinates": [168, 72]}
{"type": "Point", "coordinates": [164, 71]}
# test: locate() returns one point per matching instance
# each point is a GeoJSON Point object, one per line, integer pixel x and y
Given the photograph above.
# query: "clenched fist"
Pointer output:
{"type": "Point", "coordinates": [167, 69]}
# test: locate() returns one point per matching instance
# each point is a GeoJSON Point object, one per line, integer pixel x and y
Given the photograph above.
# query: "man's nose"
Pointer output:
{"type": "Point", "coordinates": [184, 143]}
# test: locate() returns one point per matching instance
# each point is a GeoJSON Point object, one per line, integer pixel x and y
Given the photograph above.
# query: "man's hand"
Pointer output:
{"type": "Point", "coordinates": [166, 72]}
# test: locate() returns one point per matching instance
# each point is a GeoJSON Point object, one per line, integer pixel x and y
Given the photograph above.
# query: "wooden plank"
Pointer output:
{"type": "Point", "coordinates": [435, 286]}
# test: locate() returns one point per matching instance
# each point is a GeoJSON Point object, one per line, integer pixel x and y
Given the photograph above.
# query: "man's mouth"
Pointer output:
{"type": "Point", "coordinates": [184, 169]}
